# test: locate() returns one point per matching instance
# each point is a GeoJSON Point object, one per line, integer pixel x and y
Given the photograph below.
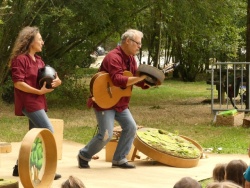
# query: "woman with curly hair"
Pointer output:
{"type": "Point", "coordinates": [30, 98]}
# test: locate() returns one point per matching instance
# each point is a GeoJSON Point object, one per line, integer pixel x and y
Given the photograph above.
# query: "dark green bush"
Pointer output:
{"type": "Point", "coordinates": [72, 93]}
{"type": "Point", "coordinates": [85, 72]}
{"type": "Point", "coordinates": [7, 91]}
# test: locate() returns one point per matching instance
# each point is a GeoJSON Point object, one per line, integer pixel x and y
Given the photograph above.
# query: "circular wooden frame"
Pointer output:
{"type": "Point", "coordinates": [166, 158]}
{"type": "Point", "coordinates": [154, 75]}
{"type": "Point", "coordinates": [50, 158]}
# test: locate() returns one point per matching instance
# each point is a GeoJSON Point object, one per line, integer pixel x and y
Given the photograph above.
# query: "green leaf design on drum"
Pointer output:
{"type": "Point", "coordinates": [36, 158]}
{"type": "Point", "coordinates": [169, 143]}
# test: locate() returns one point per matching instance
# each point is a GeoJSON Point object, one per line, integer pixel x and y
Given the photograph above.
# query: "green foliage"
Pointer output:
{"type": "Point", "coordinates": [190, 32]}
{"type": "Point", "coordinates": [36, 156]}
{"type": "Point", "coordinates": [169, 143]}
{"type": "Point", "coordinates": [7, 91]}
{"type": "Point", "coordinates": [74, 89]}
{"type": "Point", "coordinates": [86, 72]}
{"type": "Point", "coordinates": [72, 92]}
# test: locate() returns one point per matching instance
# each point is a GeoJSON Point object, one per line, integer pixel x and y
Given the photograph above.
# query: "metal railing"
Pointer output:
{"type": "Point", "coordinates": [229, 79]}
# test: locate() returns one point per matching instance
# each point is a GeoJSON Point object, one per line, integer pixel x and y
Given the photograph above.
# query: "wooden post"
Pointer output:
{"type": "Point", "coordinates": [8, 183]}
{"type": "Point", "coordinates": [58, 125]}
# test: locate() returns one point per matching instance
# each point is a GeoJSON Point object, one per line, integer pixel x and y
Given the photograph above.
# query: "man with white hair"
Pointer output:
{"type": "Point", "coordinates": [115, 63]}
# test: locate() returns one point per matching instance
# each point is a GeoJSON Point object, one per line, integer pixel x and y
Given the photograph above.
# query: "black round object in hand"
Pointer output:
{"type": "Point", "coordinates": [154, 75]}
{"type": "Point", "coordinates": [46, 74]}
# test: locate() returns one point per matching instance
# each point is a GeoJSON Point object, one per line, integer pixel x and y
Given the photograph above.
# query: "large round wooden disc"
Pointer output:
{"type": "Point", "coordinates": [37, 158]}
{"type": "Point", "coordinates": [166, 157]}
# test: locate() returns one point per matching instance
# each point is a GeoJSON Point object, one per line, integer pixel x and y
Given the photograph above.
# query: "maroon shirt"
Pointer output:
{"type": "Point", "coordinates": [25, 69]}
{"type": "Point", "coordinates": [115, 63]}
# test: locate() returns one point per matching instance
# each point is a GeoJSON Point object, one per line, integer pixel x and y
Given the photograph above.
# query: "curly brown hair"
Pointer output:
{"type": "Point", "coordinates": [23, 41]}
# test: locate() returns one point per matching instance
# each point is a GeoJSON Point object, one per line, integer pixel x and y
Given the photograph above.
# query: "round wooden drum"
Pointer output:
{"type": "Point", "coordinates": [168, 148]}
{"type": "Point", "coordinates": [154, 75]}
{"type": "Point", "coordinates": [37, 159]}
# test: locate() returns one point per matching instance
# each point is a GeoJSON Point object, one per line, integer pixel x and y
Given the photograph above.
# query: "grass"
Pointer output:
{"type": "Point", "coordinates": [175, 106]}
{"type": "Point", "coordinates": [205, 182]}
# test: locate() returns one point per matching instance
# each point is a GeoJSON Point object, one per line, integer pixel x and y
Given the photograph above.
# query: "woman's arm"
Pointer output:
{"type": "Point", "coordinates": [28, 89]}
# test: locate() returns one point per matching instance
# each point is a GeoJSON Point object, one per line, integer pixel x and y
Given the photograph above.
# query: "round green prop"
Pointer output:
{"type": "Point", "coordinates": [168, 148]}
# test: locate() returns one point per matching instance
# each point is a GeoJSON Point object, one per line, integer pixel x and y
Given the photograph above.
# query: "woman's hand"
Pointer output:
{"type": "Point", "coordinates": [28, 89]}
{"type": "Point", "coordinates": [56, 82]}
{"type": "Point", "coordinates": [45, 90]}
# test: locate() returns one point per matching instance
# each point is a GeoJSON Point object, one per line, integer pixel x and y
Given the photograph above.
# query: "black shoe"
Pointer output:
{"type": "Point", "coordinates": [82, 163]}
{"type": "Point", "coordinates": [124, 165]}
{"type": "Point", "coordinates": [57, 176]}
{"type": "Point", "coordinates": [15, 171]}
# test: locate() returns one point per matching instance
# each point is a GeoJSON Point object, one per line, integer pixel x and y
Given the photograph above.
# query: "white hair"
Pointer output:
{"type": "Point", "coordinates": [131, 33]}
